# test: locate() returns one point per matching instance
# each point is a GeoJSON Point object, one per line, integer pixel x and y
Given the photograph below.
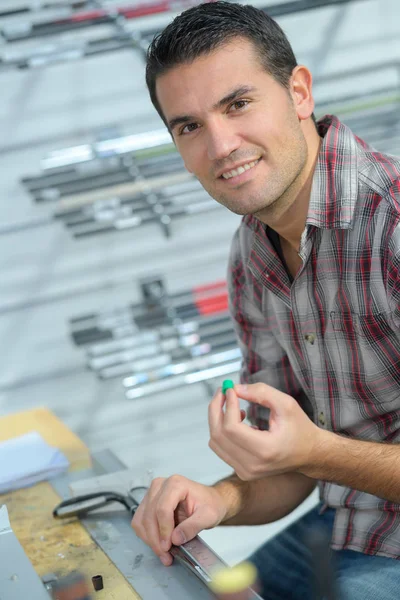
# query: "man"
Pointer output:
{"type": "Point", "coordinates": [314, 294]}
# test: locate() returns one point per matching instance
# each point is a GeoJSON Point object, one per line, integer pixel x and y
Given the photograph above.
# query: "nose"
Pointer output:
{"type": "Point", "coordinates": [222, 140]}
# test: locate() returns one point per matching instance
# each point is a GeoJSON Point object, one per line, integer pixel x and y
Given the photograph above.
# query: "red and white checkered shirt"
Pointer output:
{"type": "Point", "coordinates": [331, 338]}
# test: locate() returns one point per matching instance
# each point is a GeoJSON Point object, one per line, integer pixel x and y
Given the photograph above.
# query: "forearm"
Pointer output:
{"type": "Point", "coordinates": [370, 467]}
{"type": "Point", "coordinates": [263, 500]}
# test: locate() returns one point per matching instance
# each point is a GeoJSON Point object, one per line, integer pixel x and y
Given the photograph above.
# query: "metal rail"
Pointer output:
{"type": "Point", "coordinates": [124, 36]}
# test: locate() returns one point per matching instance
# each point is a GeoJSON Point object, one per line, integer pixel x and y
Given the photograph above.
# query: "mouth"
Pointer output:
{"type": "Point", "coordinates": [241, 173]}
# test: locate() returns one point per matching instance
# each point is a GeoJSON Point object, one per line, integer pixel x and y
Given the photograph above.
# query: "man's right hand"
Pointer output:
{"type": "Point", "coordinates": [174, 511]}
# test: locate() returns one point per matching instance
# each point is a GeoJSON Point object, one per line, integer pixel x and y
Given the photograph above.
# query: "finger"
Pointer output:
{"type": "Point", "coordinates": [265, 395]}
{"type": "Point", "coordinates": [174, 492]}
{"type": "Point", "coordinates": [145, 524]}
{"type": "Point", "coordinates": [224, 441]}
{"type": "Point", "coordinates": [223, 437]}
{"type": "Point", "coordinates": [150, 524]}
{"type": "Point", "coordinates": [143, 528]}
{"type": "Point", "coordinates": [232, 414]}
{"type": "Point", "coordinates": [170, 497]}
{"type": "Point", "coordinates": [193, 525]}
{"type": "Point", "coordinates": [233, 428]}
{"type": "Point", "coordinates": [242, 441]}
{"type": "Point", "coordinates": [215, 412]}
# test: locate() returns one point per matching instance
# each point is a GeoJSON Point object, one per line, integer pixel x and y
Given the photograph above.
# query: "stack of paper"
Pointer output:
{"type": "Point", "coordinates": [27, 459]}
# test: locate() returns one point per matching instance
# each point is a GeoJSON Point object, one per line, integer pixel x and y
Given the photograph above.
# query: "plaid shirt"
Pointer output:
{"type": "Point", "coordinates": [331, 338]}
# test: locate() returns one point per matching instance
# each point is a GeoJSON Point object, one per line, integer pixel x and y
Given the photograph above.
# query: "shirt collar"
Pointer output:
{"type": "Point", "coordinates": [335, 182]}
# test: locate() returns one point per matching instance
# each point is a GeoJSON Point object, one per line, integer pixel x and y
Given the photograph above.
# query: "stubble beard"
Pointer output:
{"type": "Point", "coordinates": [279, 191]}
{"type": "Point", "coordinates": [274, 198]}
{"type": "Point", "coordinates": [279, 204]}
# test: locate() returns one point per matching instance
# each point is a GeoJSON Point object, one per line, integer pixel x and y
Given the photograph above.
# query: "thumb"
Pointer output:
{"type": "Point", "coordinates": [190, 527]}
{"type": "Point", "coordinates": [265, 395]}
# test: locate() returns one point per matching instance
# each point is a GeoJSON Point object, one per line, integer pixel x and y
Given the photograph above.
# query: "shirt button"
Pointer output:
{"type": "Point", "coordinates": [310, 338]}
{"type": "Point", "coordinates": [321, 419]}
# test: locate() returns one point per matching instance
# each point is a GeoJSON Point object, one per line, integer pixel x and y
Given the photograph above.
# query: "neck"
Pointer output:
{"type": "Point", "coordinates": [291, 209]}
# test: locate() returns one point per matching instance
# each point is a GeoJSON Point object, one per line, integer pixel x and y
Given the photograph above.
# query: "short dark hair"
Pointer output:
{"type": "Point", "coordinates": [205, 27]}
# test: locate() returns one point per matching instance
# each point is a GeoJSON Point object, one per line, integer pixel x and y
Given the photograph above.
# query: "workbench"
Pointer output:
{"type": "Point", "coordinates": [53, 546]}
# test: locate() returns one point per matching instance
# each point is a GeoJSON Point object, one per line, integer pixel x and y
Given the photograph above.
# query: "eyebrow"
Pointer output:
{"type": "Point", "coordinates": [231, 97]}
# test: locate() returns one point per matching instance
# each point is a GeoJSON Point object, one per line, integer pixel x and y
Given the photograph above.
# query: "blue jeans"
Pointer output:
{"type": "Point", "coordinates": [285, 566]}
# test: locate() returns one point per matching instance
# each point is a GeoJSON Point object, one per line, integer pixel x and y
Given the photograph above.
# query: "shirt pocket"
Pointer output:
{"type": "Point", "coordinates": [368, 348]}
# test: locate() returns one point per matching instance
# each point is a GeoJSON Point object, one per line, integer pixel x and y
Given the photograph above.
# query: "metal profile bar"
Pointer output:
{"type": "Point", "coordinates": [129, 144]}
{"type": "Point", "coordinates": [167, 370]}
{"type": "Point", "coordinates": [71, 22]}
{"type": "Point", "coordinates": [106, 178]}
{"type": "Point", "coordinates": [162, 217]}
{"type": "Point", "coordinates": [177, 333]}
{"type": "Point", "coordinates": [138, 197]}
{"type": "Point", "coordinates": [64, 22]}
{"type": "Point", "coordinates": [171, 383]}
{"type": "Point", "coordinates": [167, 364]}
{"type": "Point", "coordinates": [108, 325]}
{"type": "Point", "coordinates": [18, 579]}
{"type": "Point", "coordinates": [125, 363]}
{"type": "Point", "coordinates": [114, 208]}
{"type": "Point", "coordinates": [124, 37]}
{"type": "Point", "coordinates": [48, 5]}
{"type": "Point", "coordinates": [190, 345]}
{"type": "Point", "coordinates": [88, 171]}
{"type": "Point", "coordinates": [122, 190]}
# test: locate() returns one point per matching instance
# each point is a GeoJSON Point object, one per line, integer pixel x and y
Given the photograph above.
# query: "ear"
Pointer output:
{"type": "Point", "coordinates": [187, 169]}
{"type": "Point", "coordinates": [301, 91]}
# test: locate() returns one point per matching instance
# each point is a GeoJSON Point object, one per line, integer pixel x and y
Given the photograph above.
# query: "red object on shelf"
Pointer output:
{"type": "Point", "coordinates": [214, 304]}
{"type": "Point", "coordinates": [132, 11]}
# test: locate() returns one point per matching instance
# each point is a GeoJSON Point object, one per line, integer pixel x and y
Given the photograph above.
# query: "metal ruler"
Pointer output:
{"type": "Point", "coordinates": [199, 558]}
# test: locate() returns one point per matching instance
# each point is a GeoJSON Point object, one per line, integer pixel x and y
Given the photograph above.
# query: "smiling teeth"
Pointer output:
{"type": "Point", "coordinates": [240, 170]}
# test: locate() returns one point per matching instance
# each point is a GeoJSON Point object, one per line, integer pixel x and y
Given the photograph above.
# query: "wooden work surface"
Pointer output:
{"type": "Point", "coordinates": [53, 546]}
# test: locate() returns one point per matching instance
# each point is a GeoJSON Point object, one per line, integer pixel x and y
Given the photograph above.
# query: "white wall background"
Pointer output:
{"type": "Point", "coordinates": [67, 104]}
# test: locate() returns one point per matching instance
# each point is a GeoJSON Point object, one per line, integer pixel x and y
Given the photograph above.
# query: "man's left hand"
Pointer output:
{"type": "Point", "coordinates": [289, 445]}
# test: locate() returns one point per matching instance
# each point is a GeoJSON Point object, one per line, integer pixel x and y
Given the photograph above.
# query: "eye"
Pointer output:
{"type": "Point", "coordinates": [188, 128]}
{"type": "Point", "coordinates": [239, 105]}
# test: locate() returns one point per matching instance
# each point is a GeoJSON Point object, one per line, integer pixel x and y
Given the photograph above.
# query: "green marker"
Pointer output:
{"type": "Point", "coordinates": [226, 384]}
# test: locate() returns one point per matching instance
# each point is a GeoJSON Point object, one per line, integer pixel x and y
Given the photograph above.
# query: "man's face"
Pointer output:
{"type": "Point", "coordinates": [235, 127]}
